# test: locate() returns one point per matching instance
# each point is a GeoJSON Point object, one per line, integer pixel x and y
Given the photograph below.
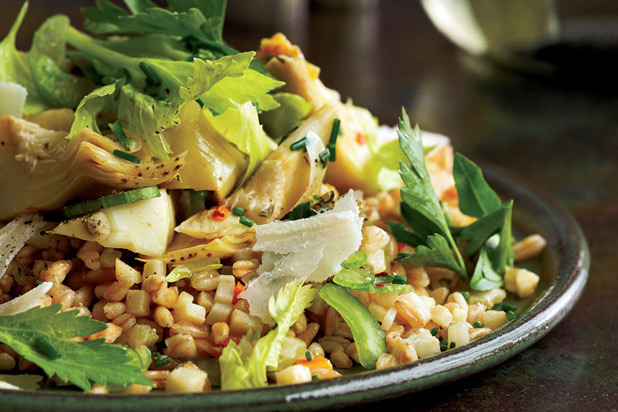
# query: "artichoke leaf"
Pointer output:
{"type": "Point", "coordinates": [202, 225]}
{"type": "Point", "coordinates": [185, 249]}
{"type": "Point", "coordinates": [212, 163]}
{"type": "Point", "coordinates": [144, 227]}
{"type": "Point", "coordinates": [42, 170]}
{"type": "Point", "coordinates": [287, 177]}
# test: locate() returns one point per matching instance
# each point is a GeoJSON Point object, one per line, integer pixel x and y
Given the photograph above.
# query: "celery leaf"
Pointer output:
{"type": "Point", "coordinates": [42, 336]}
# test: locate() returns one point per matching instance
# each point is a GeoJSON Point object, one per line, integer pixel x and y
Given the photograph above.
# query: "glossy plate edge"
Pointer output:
{"type": "Point", "coordinates": [565, 239]}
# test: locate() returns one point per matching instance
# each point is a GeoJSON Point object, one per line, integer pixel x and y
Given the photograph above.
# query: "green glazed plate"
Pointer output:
{"type": "Point", "coordinates": [563, 267]}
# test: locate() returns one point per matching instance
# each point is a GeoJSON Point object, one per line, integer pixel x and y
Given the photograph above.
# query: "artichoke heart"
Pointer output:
{"type": "Point", "coordinates": [302, 78]}
{"type": "Point", "coordinates": [213, 163]}
{"type": "Point", "coordinates": [145, 227]}
{"type": "Point", "coordinates": [287, 177]}
{"type": "Point", "coordinates": [42, 170]}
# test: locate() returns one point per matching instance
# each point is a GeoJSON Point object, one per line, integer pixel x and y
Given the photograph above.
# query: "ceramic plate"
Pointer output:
{"type": "Point", "coordinates": [563, 267]}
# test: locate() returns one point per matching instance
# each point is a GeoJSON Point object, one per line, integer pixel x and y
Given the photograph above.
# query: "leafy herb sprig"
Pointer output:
{"type": "Point", "coordinates": [486, 242]}
{"type": "Point", "coordinates": [44, 336]}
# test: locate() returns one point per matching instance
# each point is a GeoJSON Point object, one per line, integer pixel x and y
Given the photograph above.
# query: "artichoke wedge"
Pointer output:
{"type": "Point", "coordinates": [302, 78]}
{"type": "Point", "coordinates": [287, 177]}
{"type": "Point", "coordinates": [145, 227]}
{"type": "Point", "coordinates": [213, 163]}
{"type": "Point", "coordinates": [41, 170]}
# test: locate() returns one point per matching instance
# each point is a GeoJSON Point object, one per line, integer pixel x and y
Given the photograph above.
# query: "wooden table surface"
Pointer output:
{"type": "Point", "coordinates": [560, 135]}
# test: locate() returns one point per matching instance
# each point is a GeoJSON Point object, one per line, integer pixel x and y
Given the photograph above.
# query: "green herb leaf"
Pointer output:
{"type": "Point", "coordinates": [46, 60]}
{"type": "Point", "coordinates": [90, 106]}
{"type": "Point", "coordinates": [290, 113]}
{"type": "Point", "coordinates": [244, 366]}
{"type": "Point", "coordinates": [436, 253]}
{"type": "Point", "coordinates": [484, 276]}
{"type": "Point", "coordinates": [420, 206]}
{"type": "Point", "coordinates": [40, 336]}
{"type": "Point", "coordinates": [14, 67]}
{"type": "Point", "coordinates": [477, 233]}
{"type": "Point", "coordinates": [476, 197]}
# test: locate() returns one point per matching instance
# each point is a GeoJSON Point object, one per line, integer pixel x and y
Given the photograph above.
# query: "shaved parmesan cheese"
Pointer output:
{"type": "Point", "coordinates": [14, 236]}
{"type": "Point", "coordinates": [26, 301]}
{"type": "Point", "coordinates": [12, 99]}
{"type": "Point", "coordinates": [309, 249]}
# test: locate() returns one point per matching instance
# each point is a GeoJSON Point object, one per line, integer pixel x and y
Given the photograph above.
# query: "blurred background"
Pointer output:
{"type": "Point", "coordinates": [528, 85]}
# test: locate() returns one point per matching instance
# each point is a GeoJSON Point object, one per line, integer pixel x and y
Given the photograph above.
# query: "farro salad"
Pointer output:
{"type": "Point", "coordinates": [181, 216]}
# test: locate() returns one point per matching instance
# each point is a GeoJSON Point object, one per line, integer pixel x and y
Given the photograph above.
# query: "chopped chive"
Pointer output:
{"type": "Point", "coordinates": [152, 77]}
{"type": "Point", "coordinates": [108, 80]}
{"type": "Point", "coordinates": [159, 360]}
{"type": "Point", "coordinates": [324, 156]}
{"type": "Point", "coordinates": [466, 294]}
{"type": "Point", "coordinates": [443, 345]}
{"type": "Point", "coordinates": [399, 280]}
{"type": "Point", "coordinates": [505, 307]}
{"type": "Point", "coordinates": [315, 378]}
{"type": "Point", "coordinates": [308, 356]}
{"type": "Point", "coordinates": [478, 324]}
{"type": "Point", "coordinates": [299, 144]}
{"type": "Point", "coordinates": [123, 139]}
{"type": "Point", "coordinates": [238, 211]}
{"type": "Point", "coordinates": [434, 331]}
{"type": "Point", "coordinates": [452, 345]}
{"type": "Point", "coordinates": [332, 140]}
{"type": "Point", "coordinates": [510, 315]}
{"type": "Point", "coordinates": [246, 221]}
{"type": "Point", "coordinates": [126, 156]}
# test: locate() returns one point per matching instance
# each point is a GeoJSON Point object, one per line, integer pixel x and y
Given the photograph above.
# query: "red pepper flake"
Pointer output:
{"type": "Point", "coordinates": [360, 138]}
{"type": "Point", "coordinates": [400, 246]}
{"type": "Point", "coordinates": [208, 254]}
{"type": "Point", "coordinates": [380, 285]}
{"type": "Point", "coordinates": [220, 213]}
{"type": "Point", "coordinates": [226, 342]}
{"type": "Point", "coordinates": [381, 274]}
{"type": "Point", "coordinates": [237, 291]}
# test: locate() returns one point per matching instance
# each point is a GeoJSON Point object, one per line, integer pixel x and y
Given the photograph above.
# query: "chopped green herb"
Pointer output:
{"type": "Point", "coordinates": [160, 360]}
{"type": "Point", "coordinates": [129, 196]}
{"type": "Point", "coordinates": [324, 155]}
{"type": "Point", "coordinates": [315, 378]}
{"type": "Point", "coordinates": [246, 221]}
{"type": "Point", "coordinates": [444, 345]}
{"type": "Point", "coordinates": [332, 140]}
{"type": "Point", "coordinates": [505, 307]}
{"type": "Point", "coordinates": [452, 345]}
{"type": "Point", "coordinates": [510, 315]}
{"type": "Point", "coordinates": [299, 144]}
{"type": "Point", "coordinates": [108, 80]}
{"type": "Point", "coordinates": [434, 331]}
{"type": "Point", "coordinates": [399, 280]}
{"type": "Point", "coordinates": [126, 156]}
{"type": "Point", "coordinates": [152, 77]}
{"type": "Point", "coordinates": [466, 294]}
{"type": "Point", "coordinates": [301, 211]}
{"type": "Point", "coordinates": [308, 356]}
{"type": "Point", "coordinates": [478, 324]}
{"type": "Point", "coordinates": [238, 211]}
{"type": "Point", "coordinates": [123, 139]}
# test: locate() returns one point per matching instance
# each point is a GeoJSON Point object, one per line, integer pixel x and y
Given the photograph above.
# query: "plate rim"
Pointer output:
{"type": "Point", "coordinates": [545, 313]}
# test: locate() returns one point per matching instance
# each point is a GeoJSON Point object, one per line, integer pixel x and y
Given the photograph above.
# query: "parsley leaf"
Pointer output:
{"type": "Point", "coordinates": [484, 276]}
{"type": "Point", "coordinates": [420, 206]}
{"type": "Point", "coordinates": [476, 197]}
{"type": "Point", "coordinates": [42, 336]}
{"type": "Point", "coordinates": [436, 253]}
